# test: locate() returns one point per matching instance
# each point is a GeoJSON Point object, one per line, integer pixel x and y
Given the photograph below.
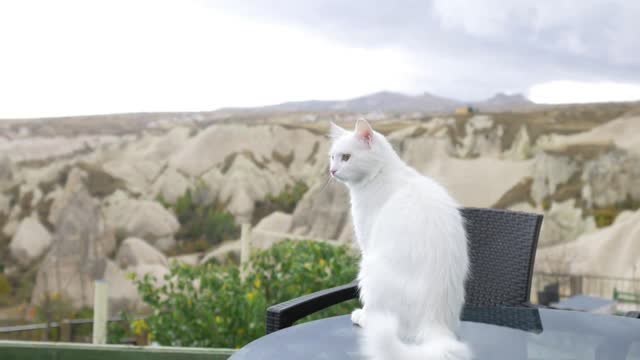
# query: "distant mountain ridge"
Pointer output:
{"type": "Point", "coordinates": [387, 101]}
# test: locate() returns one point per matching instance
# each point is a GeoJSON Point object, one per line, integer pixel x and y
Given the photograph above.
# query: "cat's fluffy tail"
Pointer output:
{"type": "Point", "coordinates": [381, 342]}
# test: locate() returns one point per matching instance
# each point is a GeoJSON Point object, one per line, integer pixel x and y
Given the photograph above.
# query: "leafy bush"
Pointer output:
{"type": "Point", "coordinates": [208, 222]}
{"type": "Point", "coordinates": [5, 289]}
{"type": "Point", "coordinates": [56, 308]}
{"type": "Point", "coordinates": [285, 201]}
{"type": "Point", "coordinates": [213, 306]}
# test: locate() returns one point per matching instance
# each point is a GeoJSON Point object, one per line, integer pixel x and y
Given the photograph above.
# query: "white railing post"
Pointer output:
{"type": "Point", "coordinates": [100, 308]}
{"type": "Point", "coordinates": [245, 247]}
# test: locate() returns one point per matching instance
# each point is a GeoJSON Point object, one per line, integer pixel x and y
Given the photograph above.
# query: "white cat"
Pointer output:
{"type": "Point", "coordinates": [414, 250]}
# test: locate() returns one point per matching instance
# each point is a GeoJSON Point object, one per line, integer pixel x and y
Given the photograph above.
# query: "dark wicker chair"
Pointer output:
{"type": "Point", "coordinates": [502, 247]}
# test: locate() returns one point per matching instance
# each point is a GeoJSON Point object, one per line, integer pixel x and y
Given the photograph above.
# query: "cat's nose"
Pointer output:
{"type": "Point", "coordinates": [333, 172]}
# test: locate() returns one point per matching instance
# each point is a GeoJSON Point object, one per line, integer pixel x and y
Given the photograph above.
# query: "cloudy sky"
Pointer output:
{"type": "Point", "coordinates": [68, 57]}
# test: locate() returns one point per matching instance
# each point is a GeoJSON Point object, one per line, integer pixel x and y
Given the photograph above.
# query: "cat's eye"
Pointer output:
{"type": "Point", "coordinates": [345, 157]}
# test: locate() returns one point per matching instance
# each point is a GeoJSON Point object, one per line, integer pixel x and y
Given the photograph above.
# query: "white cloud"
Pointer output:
{"type": "Point", "coordinates": [559, 92]}
{"type": "Point", "coordinates": [78, 58]}
{"type": "Point", "coordinates": [71, 57]}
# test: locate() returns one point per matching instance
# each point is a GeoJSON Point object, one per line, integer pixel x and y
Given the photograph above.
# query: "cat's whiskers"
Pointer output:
{"type": "Point", "coordinates": [326, 183]}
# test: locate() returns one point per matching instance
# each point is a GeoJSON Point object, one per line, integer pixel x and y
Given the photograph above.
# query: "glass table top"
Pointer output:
{"type": "Point", "coordinates": [492, 333]}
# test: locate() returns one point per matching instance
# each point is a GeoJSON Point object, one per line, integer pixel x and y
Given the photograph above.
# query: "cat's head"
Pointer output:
{"type": "Point", "coordinates": [356, 155]}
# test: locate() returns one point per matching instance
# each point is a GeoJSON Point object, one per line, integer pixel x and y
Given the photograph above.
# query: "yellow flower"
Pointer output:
{"type": "Point", "coordinates": [251, 295]}
{"type": "Point", "coordinates": [218, 319]}
{"type": "Point", "coordinates": [256, 283]}
{"type": "Point", "coordinates": [139, 326]}
{"type": "Point", "coordinates": [322, 262]}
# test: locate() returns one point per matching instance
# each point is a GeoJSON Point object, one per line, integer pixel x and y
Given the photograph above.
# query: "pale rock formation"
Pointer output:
{"type": "Point", "coordinates": [76, 184]}
{"type": "Point", "coordinates": [322, 212]}
{"type": "Point", "coordinates": [550, 171]}
{"type": "Point", "coordinates": [144, 219]}
{"type": "Point", "coordinates": [212, 146]}
{"type": "Point", "coordinates": [135, 251]}
{"type": "Point", "coordinates": [77, 255]}
{"type": "Point", "coordinates": [12, 222]}
{"type": "Point", "coordinates": [30, 241]}
{"type": "Point", "coordinates": [564, 222]}
{"type": "Point", "coordinates": [278, 222]}
{"type": "Point", "coordinates": [186, 259]}
{"type": "Point", "coordinates": [221, 253]}
{"type": "Point", "coordinates": [137, 175]}
{"type": "Point", "coordinates": [611, 178]}
{"type": "Point", "coordinates": [171, 185]}
{"type": "Point", "coordinates": [619, 131]}
{"type": "Point", "coordinates": [123, 294]}
{"type": "Point", "coordinates": [245, 182]}
{"type": "Point", "coordinates": [6, 172]}
{"type": "Point", "coordinates": [467, 179]}
{"type": "Point", "coordinates": [611, 251]}
{"type": "Point", "coordinates": [521, 148]}
{"type": "Point", "coordinates": [482, 138]}
{"type": "Point", "coordinates": [5, 208]}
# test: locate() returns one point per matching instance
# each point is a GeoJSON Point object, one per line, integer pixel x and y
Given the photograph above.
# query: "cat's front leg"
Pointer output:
{"type": "Point", "coordinates": [357, 317]}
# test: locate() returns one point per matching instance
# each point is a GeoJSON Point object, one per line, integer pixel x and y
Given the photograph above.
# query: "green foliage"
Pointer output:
{"type": "Point", "coordinates": [605, 216]}
{"type": "Point", "coordinates": [56, 307]}
{"type": "Point", "coordinates": [188, 247]}
{"type": "Point", "coordinates": [294, 268]}
{"type": "Point", "coordinates": [212, 306]}
{"type": "Point", "coordinates": [204, 224]}
{"type": "Point", "coordinates": [5, 289]}
{"type": "Point", "coordinates": [285, 201]}
{"type": "Point", "coordinates": [117, 331]}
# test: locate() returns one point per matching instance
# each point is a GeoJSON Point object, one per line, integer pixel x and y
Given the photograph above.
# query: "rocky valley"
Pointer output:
{"type": "Point", "coordinates": [105, 196]}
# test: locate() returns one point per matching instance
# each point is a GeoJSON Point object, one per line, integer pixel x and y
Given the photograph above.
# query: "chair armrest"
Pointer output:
{"type": "Point", "coordinates": [283, 315]}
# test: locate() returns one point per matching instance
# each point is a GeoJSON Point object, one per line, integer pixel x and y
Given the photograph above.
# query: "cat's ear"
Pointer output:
{"type": "Point", "coordinates": [364, 131]}
{"type": "Point", "coordinates": [336, 131]}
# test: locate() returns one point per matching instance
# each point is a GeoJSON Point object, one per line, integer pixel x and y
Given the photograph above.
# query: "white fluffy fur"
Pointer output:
{"type": "Point", "coordinates": [414, 250]}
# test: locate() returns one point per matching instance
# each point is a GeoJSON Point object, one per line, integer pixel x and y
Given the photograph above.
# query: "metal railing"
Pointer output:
{"type": "Point", "coordinates": [72, 330]}
{"type": "Point", "coordinates": [624, 291]}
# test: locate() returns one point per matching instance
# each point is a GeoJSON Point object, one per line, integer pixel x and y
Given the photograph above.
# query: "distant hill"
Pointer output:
{"type": "Point", "coordinates": [502, 102]}
{"type": "Point", "coordinates": [387, 101]}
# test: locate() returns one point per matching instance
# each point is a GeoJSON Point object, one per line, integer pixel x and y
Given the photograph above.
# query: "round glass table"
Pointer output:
{"type": "Point", "coordinates": [492, 333]}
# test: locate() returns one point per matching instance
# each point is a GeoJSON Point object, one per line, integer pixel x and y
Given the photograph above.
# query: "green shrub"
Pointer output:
{"type": "Point", "coordinates": [285, 201]}
{"type": "Point", "coordinates": [294, 268]}
{"type": "Point", "coordinates": [117, 331]}
{"type": "Point", "coordinates": [5, 289]}
{"type": "Point", "coordinates": [54, 308]}
{"type": "Point", "coordinates": [212, 306]}
{"type": "Point", "coordinates": [208, 222]}
{"type": "Point", "coordinates": [605, 216]}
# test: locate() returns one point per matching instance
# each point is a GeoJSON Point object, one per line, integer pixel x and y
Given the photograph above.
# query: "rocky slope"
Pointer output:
{"type": "Point", "coordinates": [80, 206]}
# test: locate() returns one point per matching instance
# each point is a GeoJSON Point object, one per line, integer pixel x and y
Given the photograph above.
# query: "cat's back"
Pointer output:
{"type": "Point", "coordinates": [419, 215]}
